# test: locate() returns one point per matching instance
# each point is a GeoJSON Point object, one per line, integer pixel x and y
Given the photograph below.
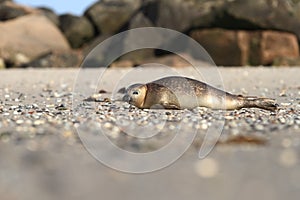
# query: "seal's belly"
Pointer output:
{"type": "Point", "coordinates": [210, 101]}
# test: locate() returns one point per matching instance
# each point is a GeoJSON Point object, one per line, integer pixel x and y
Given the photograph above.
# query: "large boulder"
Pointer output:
{"type": "Point", "coordinates": [50, 14]}
{"type": "Point", "coordinates": [263, 14]}
{"type": "Point", "coordinates": [109, 16]}
{"type": "Point", "coordinates": [56, 59]}
{"type": "Point", "coordinates": [1, 1]}
{"type": "Point", "coordinates": [78, 30]}
{"type": "Point", "coordinates": [268, 46]}
{"type": "Point", "coordinates": [238, 48]}
{"type": "Point", "coordinates": [10, 10]}
{"type": "Point", "coordinates": [182, 15]}
{"type": "Point", "coordinates": [226, 47]}
{"type": "Point", "coordinates": [138, 21]}
{"type": "Point", "coordinates": [30, 35]}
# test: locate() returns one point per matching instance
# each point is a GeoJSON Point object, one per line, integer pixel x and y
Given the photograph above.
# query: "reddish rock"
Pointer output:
{"type": "Point", "coordinates": [229, 48]}
{"type": "Point", "coordinates": [238, 48]}
{"type": "Point", "coordinates": [31, 35]}
{"type": "Point", "coordinates": [266, 46]}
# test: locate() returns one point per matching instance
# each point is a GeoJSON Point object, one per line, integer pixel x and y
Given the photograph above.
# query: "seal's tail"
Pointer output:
{"type": "Point", "coordinates": [263, 103]}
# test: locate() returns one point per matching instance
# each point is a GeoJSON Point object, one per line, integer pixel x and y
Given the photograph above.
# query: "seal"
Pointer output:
{"type": "Point", "coordinates": [176, 92]}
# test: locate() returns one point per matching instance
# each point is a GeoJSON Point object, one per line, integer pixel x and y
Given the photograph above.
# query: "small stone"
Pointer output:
{"type": "Point", "coordinates": [282, 93]}
{"type": "Point", "coordinates": [286, 104]}
{"type": "Point", "coordinates": [259, 127]}
{"type": "Point", "coordinates": [38, 122]}
{"type": "Point", "coordinates": [282, 120]}
{"type": "Point", "coordinates": [20, 121]}
{"type": "Point", "coordinates": [107, 125]}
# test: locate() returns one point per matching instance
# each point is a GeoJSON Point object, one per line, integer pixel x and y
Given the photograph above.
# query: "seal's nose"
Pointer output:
{"type": "Point", "coordinates": [126, 98]}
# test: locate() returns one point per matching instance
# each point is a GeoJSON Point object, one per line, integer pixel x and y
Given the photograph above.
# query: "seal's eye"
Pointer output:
{"type": "Point", "coordinates": [135, 93]}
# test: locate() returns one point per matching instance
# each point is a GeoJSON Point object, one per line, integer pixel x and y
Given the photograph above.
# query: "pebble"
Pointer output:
{"type": "Point", "coordinates": [259, 127]}
{"type": "Point", "coordinates": [285, 104]}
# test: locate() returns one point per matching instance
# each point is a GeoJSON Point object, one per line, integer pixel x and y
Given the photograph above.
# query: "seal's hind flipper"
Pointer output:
{"type": "Point", "coordinates": [263, 103]}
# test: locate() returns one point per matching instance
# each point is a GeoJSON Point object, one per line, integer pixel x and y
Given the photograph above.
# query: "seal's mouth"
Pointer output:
{"type": "Point", "coordinates": [127, 98]}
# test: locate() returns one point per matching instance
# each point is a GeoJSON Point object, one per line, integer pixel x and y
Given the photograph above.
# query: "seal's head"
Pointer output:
{"type": "Point", "coordinates": [136, 94]}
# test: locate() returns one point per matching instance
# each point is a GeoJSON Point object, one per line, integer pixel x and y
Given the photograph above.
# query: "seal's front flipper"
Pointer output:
{"type": "Point", "coordinates": [167, 105]}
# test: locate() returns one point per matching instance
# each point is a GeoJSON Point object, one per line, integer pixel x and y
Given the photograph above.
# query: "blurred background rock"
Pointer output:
{"type": "Point", "coordinates": [234, 32]}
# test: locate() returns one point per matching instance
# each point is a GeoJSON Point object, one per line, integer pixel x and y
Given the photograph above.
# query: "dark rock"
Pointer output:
{"type": "Point", "coordinates": [109, 16]}
{"type": "Point", "coordinates": [171, 60]}
{"type": "Point", "coordinates": [93, 43]}
{"type": "Point", "coordinates": [78, 30]}
{"type": "Point", "coordinates": [56, 59]}
{"type": "Point", "coordinates": [138, 56]}
{"type": "Point", "coordinates": [10, 10]}
{"type": "Point", "coordinates": [139, 21]}
{"type": "Point", "coordinates": [50, 14]}
{"type": "Point", "coordinates": [182, 15]}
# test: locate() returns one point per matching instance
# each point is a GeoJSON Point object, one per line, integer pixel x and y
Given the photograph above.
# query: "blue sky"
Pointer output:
{"type": "Point", "coordinates": [76, 7]}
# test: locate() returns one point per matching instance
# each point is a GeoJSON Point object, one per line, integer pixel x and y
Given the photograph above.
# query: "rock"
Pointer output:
{"type": "Point", "coordinates": [31, 35]}
{"type": "Point", "coordinates": [226, 47]}
{"type": "Point", "coordinates": [138, 56]}
{"type": "Point", "coordinates": [50, 14]}
{"type": "Point", "coordinates": [238, 48]}
{"type": "Point", "coordinates": [171, 60]}
{"type": "Point", "coordinates": [93, 44]}
{"type": "Point", "coordinates": [267, 46]}
{"type": "Point", "coordinates": [182, 15]}
{"type": "Point", "coordinates": [139, 20]}
{"type": "Point", "coordinates": [264, 14]}
{"type": "Point", "coordinates": [78, 30]}
{"type": "Point", "coordinates": [122, 64]}
{"type": "Point", "coordinates": [10, 10]}
{"type": "Point", "coordinates": [19, 59]}
{"type": "Point", "coordinates": [286, 62]}
{"type": "Point", "coordinates": [57, 59]}
{"type": "Point", "coordinates": [109, 16]}
{"type": "Point", "coordinates": [2, 64]}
